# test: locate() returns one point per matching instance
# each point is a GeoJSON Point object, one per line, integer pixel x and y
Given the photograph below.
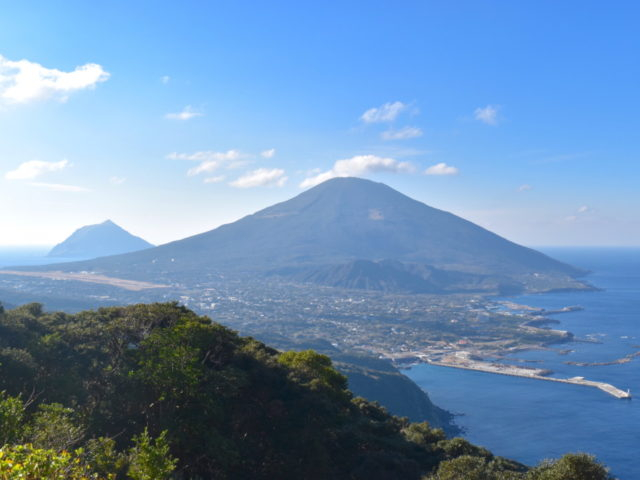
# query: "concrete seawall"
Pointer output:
{"type": "Point", "coordinates": [518, 372]}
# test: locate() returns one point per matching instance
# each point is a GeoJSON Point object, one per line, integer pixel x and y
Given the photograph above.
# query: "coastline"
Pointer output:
{"type": "Point", "coordinates": [475, 360]}
{"type": "Point", "coordinates": [463, 360]}
{"type": "Point", "coordinates": [547, 418]}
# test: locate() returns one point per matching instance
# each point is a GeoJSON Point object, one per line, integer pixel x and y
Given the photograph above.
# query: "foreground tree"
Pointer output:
{"type": "Point", "coordinates": [572, 466]}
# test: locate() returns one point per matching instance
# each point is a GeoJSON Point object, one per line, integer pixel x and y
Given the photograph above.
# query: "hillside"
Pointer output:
{"type": "Point", "coordinates": [325, 229]}
{"type": "Point", "coordinates": [377, 380]}
{"type": "Point", "coordinates": [157, 392]}
{"type": "Point", "coordinates": [98, 240]}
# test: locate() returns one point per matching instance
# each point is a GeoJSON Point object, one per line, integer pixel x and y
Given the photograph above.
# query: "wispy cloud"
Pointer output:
{"type": "Point", "coordinates": [57, 187]}
{"type": "Point", "coordinates": [580, 213]}
{"type": "Point", "coordinates": [35, 168]}
{"type": "Point", "coordinates": [207, 155]}
{"type": "Point", "coordinates": [217, 179]}
{"type": "Point", "coordinates": [441, 169]}
{"type": "Point", "coordinates": [401, 134]}
{"type": "Point", "coordinates": [262, 177]}
{"type": "Point", "coordinates": [359, 165]}
{"type": "Point", "coordinates": [487, 115]}
{"type": "Point", "coordinates": [23, 81]}
{"type": "Point", "coordinates": [398, 150]}
{"type": "Point", "coordinates": [117, 180]}
{"type": "Point", "coordinates": [384, 113]}
{"type": "Point", "coordinates": [210, 161]}
{"type": "Point", "coordinates": [165, 79]}
{"type": "Point", "coordinates": [268, 153]}
{"type": "Point", "coordinates": [525, 188]}
{"type": "Point", "coordinates": [187, 113]}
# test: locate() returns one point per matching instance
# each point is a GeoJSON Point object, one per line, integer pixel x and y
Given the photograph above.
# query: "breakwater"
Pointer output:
{"type": "Point", "coordinates": [503, 369]}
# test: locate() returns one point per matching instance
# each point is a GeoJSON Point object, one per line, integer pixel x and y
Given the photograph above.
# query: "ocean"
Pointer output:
{"type": "Point", "coordinates": [530, 420]}
{"type": "Point", "coordinates": [12, 256]}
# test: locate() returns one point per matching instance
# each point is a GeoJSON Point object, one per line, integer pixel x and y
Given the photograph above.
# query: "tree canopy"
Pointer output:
{"type": "Point", "coordinates": [157, 392]}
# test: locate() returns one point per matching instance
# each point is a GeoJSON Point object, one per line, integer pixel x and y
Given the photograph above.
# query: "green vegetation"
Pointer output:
{"type": "Point", "coordinates": [157, 392]}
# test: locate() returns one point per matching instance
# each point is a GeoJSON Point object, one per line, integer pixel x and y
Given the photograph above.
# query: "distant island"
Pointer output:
{"type": "Point", "coordinates": [98, 240]}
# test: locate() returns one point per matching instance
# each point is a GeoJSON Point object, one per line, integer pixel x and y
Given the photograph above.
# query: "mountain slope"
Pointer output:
{"type": "Point", "coordinates": [98, 240]}
{"type": "Point", "coordinates": [337, 222]}
{"type": "Point", "coordinates": [375, 379]}
{"type": "Point", "coordinates": [362, 274]}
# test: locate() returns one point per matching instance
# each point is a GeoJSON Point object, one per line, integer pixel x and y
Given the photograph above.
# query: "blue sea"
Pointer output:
{"type": "Point", "coordinates": [13, 256]}
{"type": "Point", "coordinates": [530, 420]}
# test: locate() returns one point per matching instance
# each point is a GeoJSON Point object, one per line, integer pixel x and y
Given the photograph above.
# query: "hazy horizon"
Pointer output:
{"type": "Point", "coordinates": [43, 246]}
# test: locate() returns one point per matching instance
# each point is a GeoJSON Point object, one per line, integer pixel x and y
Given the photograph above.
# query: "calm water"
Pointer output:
{"type": "Point", "coordinates": [12, 256]}
{"type": "Point", "coordinates": [530, 420]}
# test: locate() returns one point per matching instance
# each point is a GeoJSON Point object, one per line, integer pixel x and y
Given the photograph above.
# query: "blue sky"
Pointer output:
{"type": "Point", "coordinates": [171, 118]}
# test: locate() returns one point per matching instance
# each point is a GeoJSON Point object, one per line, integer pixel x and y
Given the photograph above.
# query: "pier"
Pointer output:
{"type": "Point", "coordinates": [502, 369]}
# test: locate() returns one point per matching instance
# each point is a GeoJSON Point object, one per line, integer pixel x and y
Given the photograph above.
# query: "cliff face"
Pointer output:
{"type": "Point", "coordinates": [379, 381]}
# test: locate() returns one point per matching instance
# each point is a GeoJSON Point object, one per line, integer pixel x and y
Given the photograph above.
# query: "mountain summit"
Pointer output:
{"type": "Point", "coordinates": [317, 235]}
{"type": "Point", "coordinates": [99, 240]}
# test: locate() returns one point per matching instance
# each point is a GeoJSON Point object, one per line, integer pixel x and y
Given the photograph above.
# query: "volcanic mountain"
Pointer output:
{"type": "Point", "coordinates": [348, 227]}
{"type": "Point", "coordinates": [92, 241]}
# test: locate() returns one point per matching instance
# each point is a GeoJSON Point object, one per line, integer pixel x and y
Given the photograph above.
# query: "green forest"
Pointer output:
{"type": "Point", "coordinates": [156, 392]}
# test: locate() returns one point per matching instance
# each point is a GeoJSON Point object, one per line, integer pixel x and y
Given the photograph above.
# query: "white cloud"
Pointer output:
{"type": "Point", "coordinates": [211, 161]}
{"type": "Point", "coordinates": [488, 114]}
{"type": "Point", "coordinates": [358, 165]}
{"type": "Point", "coordinates": [268, 153]}
{"type": "Point", "coordinates": [263, 177]}
{"type": "Point", "coordinates": [385, 113]}
{"type": "Point", "coordinates": [217, 179]}
{"type": "Point", "coordinates": [579, 215]}
{"type": "Point", "coordinates": [187, 113]}
{"type": "Point", "coordinates": [441, 169]}
{"type": "Point", "coordinates": [524, 188]}
{"type": "Point", "coordinates": [165, 79]}
{"type": "Point", "coordinates": [35, 168]}
{"type": "Point", "coordinates": [402, 134]}
{"type": "Point", "coordinates": [23, 81]}
{"type": "Point", "coordinates": [59, 187]}
{"type": "Point", "coordinates": [117, 180]}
